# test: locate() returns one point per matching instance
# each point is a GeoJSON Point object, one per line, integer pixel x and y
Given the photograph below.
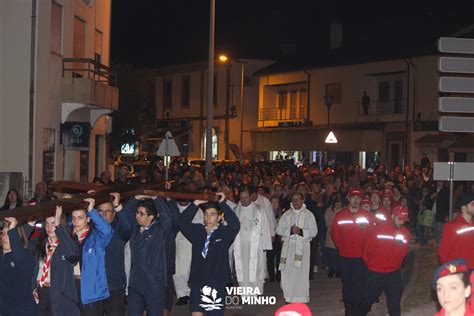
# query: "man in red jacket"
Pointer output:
{"type": "Point", "coordinates": [384, 252]}
{"type": "Point", "coordinates": [348, 231]}
{"type": "Point", "coordinates": [457, 240]}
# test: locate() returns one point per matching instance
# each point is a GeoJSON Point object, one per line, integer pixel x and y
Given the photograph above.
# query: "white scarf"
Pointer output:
{"type": "Point", "coordinates": [298, 260]}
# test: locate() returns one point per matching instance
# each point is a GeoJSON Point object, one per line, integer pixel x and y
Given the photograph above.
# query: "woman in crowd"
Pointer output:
{"type": "Point", "coordinates": [452, 283]}
{"type": "Point", "coordinates": [16, 271]}
{"type": "Point", "coordinates": [12, 200]}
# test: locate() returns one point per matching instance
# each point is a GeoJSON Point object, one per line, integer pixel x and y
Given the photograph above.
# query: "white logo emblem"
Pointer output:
{"type": "Point", "coordinates": [210, 300]}
{"type": "Point", "coordinates": [12, 264]}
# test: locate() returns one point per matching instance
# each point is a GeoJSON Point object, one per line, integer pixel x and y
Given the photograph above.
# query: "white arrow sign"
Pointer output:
{"type": "Point", "coordinates": [456, 105]}
{"type": "Point", "coordinates": [456, 45]}
{"type": "Point", "coordinates": [456, 65]}
{"type": "Point", "coordinates": [168, 146]}
{"type": "Point", "coordinates": [456, 85]}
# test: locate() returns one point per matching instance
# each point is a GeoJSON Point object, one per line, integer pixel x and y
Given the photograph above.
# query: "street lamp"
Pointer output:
{"type": "Point", "coordinates": [224, 58]}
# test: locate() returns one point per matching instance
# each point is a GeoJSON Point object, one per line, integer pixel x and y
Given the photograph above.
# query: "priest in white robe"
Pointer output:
{"type": "Point", "coordinates": [297, 226]}
{"type": "Point", "coordinates": [249, 245]}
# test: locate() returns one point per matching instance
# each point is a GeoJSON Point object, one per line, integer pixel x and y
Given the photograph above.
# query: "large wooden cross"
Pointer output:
{"type": "Point", "coordinates": [101, 195]}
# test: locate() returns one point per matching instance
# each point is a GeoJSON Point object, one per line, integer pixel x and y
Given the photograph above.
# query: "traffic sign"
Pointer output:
{"type": "Point", "coordinates": [456, 45]}
{"type": "Point", "coordinates": [456, 65]}
{"type": "Point", "coordinates": [456, 124]}
{"type": "Point", "coordinates": [168, 146]}
{"type": "Point", "coordinates": [456, 105]}
{"type": "Point", "coordinates": [456, 85]}
{"type": "Point", "coordinates": [462, 171]}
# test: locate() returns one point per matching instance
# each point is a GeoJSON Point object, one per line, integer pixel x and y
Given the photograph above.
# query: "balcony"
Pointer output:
{"type": "Point", "coordinates": [86, 81]}
{"type": "Point", "coordinates": [377, 107]}
{"type": "Point", "coordinates": [271, 116]}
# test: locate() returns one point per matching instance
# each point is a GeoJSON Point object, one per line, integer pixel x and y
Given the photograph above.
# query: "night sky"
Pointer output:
{"type": "Point", "coordinates": [152, 33]}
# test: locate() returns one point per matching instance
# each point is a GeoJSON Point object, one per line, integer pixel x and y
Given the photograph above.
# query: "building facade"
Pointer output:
{"type": "Point", "coordinates": [181, 107]}
{"type": "Point", "coordinates": [397, 124]}
{"type": "Point", "coordinates": [55, 89]}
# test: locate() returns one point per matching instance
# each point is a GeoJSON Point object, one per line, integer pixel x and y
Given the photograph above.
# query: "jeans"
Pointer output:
{"type": "Point", "coordinates": [334, 260]}
{"type": "Point", "coordinates": [438, 231]}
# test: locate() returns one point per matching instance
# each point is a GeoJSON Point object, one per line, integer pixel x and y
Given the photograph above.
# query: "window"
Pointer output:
{"type": "Point", "coordinates": [282, 99]}
{"type": "Point", "coordinates": [78, 45]}
{"type": "Point", "coordinates": [98, 45]}
{"type": "Point", "coordinates": [334, 90]}
{"type": "Point", "coordinates": [398, 96]}
{"type": "Point", "coordinates": [185, 91]}
{"type": "Point", "coordinates": [56, 27]}
{"type": "Point", "coordinates": [384, 91]}
{"type": "Point", "coordinates": [167, 93]}
{"type": "Point", "coordinates": [303, 98]}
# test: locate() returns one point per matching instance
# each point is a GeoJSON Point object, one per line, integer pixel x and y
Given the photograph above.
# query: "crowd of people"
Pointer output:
{"type": "Point", "coordinates": [274, 222]}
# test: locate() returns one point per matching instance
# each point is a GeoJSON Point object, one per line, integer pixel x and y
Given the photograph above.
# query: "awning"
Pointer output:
{"type": "Point", "coordinates": [434, 140]}
{"type": "Point", "coordinates": [313, 140]}
{"type": "Point", "coordinates": [465, 144]}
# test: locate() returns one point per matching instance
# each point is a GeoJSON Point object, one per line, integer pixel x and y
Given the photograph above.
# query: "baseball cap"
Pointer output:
{"type": "Point", "coordinates": [356, 192]}
{"type": "Point", "coordinates": [401, 212]}
{"type": "Point", "coordinates": [294, 309]}
{"type": "Point", "coordinates": [449, 268]}
{"type": "Point", "coordinates": [387, 192]}
{"type": "Point", "coordinates": [377, 192]}
{"type": "Point", "coordinates": [365, 201]}
{"type": "Point", "coordinates": [464, 199]}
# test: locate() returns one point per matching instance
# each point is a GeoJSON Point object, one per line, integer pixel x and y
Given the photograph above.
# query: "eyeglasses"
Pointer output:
{"type": "Point", "coordinates": [140, 213]}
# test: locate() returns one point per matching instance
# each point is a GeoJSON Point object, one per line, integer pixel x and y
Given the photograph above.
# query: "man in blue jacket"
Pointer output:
{"type": "Point", "coordinates": [210, 269]}
{"type": "Point", "coordinates": [114, 255]}
{"type": "Point", "coordinates": [90, 272]}
{"type": "Point", "coordinates": [148, 274]}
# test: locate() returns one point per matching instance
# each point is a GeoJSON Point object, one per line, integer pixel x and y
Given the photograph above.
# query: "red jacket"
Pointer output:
{"type": "Point", "coordinates": [386, 247]}
{"type": "Point", "coordinates": [349, 230]}
{"type": "Point", "coordinates": [382, 215]}
{"type": "Point", "coordinates": [457, 241]}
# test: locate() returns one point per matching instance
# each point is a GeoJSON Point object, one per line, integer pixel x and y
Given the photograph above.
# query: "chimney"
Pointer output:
{"type": "Point", "coordinates": [335, 36]}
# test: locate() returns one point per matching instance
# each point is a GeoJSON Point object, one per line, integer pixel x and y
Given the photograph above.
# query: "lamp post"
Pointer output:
{"type": "Point", "coordinates": [224, 59]}
{"type": "Point", "coordinates": [210, 90]}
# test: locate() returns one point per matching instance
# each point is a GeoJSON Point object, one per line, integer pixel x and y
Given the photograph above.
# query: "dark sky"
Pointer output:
{"type": "Point", "coordinates": [151, 33]}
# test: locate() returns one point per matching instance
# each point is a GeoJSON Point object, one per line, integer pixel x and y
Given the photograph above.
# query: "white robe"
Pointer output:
{"type": "Point", "coordinates": [249, 245]}
{"type": "Point", "coordinates": [295, 280]}
{"type": "Point", "coordinates": [183, 257]}
{"type": "Point", "coordinates": [266, 206]}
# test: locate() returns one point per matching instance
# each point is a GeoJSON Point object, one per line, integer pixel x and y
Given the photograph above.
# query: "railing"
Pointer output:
{"type": "Point", "coordinates": [282, 114]}
{"type": "Point", "coordinates": [376, 107]}
{"type": "Point", "coordinates": [88, 68]}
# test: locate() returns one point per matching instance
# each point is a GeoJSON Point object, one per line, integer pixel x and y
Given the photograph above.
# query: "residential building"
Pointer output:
{"type": "Point", "coordinates": [181, 107]}
{"type": "Point", "coordinates": [55, 89]}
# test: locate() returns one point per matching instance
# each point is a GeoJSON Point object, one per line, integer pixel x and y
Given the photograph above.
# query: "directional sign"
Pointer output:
{"type": "Point", "coordinates": [462, 171]}
{"type": "Point", "coordinates": [456, 65]}
{"type": "Point", "coordinates": [456, 45]}
{"type": "Point", "coordinates": [456, 105]}
{"type": "Point", "coordinates": [456, 124]}
{"type": "Point", "coordinates": [456, 85]}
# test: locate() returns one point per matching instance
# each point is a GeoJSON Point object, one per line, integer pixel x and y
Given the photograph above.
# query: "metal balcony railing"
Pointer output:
{"type": "Point", "coordinates": [282, 114]}
{"type": "Point", "coordinates": [376, 107]}
{"type": "Point", "coordinates": [88, 68]}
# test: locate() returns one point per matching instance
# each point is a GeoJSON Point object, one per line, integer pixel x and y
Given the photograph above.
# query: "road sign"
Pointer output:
{"type": "Point", "coordinates": [456, 105]}
{"type": "Point", "coordinates": [168, 146]}
{"type": "Point", "coordinates": [456, 65]}
{"type": "Point", "coordinates": [456, 85]}
{"type": "Point", "coordinates": [462, 171]}
{"type": "Point", "coordinates": [456, 45]}
{"type": "Point", "coordinates": [456, 124]}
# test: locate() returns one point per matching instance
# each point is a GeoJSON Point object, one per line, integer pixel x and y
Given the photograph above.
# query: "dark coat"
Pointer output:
{"type": "Point", "coordinates": [64, 299]}
{"type": "Point", "coordinates": [148, 273]}
{"type": "Point", "coordinates": [16, 271]}
{"type": "Point", "coordinates": [214, 270]}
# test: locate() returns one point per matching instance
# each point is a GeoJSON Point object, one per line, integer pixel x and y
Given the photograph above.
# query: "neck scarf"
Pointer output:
{"type": "Point", "coordinates": [83, 235]}
{"type": "Point", "coordinates": [50, 248]}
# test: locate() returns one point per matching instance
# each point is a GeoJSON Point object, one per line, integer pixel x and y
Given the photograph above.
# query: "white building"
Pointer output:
{"type": "Point", "coordinates": [53, 71]}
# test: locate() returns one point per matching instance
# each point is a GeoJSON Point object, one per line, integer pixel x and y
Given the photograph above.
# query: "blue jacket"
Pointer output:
{"type": "Point", "coordinates": [94, 285]}
{"type": "Point", "coordinates": [64, 301]}
{"type": "Point", "coordinates": [16, 271]}
{"type": "Point", "coordinates": [114, 253]}
{"type": "Point", "coordinates": [148, 248]}
{"type": "Point", "coordinates": [214, 270]}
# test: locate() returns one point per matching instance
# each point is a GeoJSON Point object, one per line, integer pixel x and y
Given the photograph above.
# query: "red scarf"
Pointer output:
{"type": "Point", "coordinates": [83, 235]}
{"type": "Point", "coordinates": [50, 248]}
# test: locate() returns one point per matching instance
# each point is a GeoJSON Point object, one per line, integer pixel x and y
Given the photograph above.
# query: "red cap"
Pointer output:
{"type": "Point", "coordinates": [294, 309]}
{"type": "Point", "coordinates": [387, 192]}
{"type": "Point", "coordinates": [401, 212]}
{"type": "Point", "coordinates": [377, 192]}
{"type": "Point", "coordinates": [365, 201]}
{"type": "Point", "coordinates": [356, 192]}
